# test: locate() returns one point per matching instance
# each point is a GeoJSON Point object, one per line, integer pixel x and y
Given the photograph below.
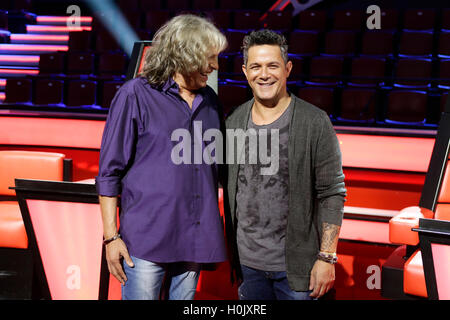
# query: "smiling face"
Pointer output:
{"type": "Point", "coordinates": [267, 73]}
{"type": "Point", "coordinates": [198, 79]}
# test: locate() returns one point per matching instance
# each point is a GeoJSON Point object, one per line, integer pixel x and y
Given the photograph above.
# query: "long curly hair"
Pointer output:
{"type": "Point", "coordinates": [181, 45]}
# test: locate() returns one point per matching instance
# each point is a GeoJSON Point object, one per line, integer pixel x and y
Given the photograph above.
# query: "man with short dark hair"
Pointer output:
{"type": "Point", "coordinates": [287, 222]}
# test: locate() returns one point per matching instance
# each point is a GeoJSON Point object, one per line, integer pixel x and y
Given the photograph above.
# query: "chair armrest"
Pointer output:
{"type": "Point", "coordinates": [400, 226]}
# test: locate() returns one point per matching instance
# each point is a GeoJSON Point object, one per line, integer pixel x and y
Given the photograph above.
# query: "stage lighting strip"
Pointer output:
{"type": "Point", "coordinates": [17, 71]}
{"type": "Point", "coordinates": [19, 59]}
{"type": "Point", "coordinates": [5, 47]}
{"type": "Point", "coordinates": [55, 29]}
{"type": "Point", "coordinates": [62, 19]}
{"type": "Point", "coordinates": [39, 37]}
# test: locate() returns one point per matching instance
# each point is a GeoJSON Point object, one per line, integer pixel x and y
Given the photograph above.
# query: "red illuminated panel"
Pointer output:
{"type": "Point", "coordinates": [2, 82]}
{"type": "Point", "coordinates": [55, 29]}
{"type": "Point", "coordinates": [64, 19]}
{"type": "Point", "coordinates": [51, 132]}
{"type": "Point", "coordinates": [19, 59]}
{"type": "Point", "coordinates": [363, 230]}
{"type": "Point", "coordinates": [441, 259]}
{"type": "Point", "coordinates": [39, 37]}
{"type": "Point", "coordinates": [69, 237]}
{"type": "Point", "coordinates": [18, 71]}
{"type": "Point", "coordinates": [2, 96]}
{"type": "Point", "coordinates": [144, 53]}
{"type": "Point", "coordinates": [8, 47]}
{"type": "Point", "coordinates": [386, 152]}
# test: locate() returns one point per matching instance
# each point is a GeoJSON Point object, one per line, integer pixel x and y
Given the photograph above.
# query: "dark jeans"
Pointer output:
{"type": "Point", "coordinates": [268, 285]}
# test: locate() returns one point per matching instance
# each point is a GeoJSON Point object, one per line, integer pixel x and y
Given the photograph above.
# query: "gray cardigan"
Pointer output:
{"type": "Point", "coordinates": [316, 184]}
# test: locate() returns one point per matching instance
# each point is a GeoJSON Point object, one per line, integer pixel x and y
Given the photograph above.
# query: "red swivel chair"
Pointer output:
{"type": "Point", "coordinates": [16, 261]}
{"type": "Point", "coordinates": [415, 269]}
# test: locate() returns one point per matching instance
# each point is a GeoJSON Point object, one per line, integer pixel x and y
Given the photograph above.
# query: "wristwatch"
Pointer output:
{"type": "Point", "coordinates": [327, 257]}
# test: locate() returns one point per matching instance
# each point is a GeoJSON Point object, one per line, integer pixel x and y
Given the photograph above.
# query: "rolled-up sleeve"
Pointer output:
{"type": "Point", "coordinates": [118, 142]}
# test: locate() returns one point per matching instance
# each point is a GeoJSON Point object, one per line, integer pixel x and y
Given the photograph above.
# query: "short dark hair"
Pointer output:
{"type": "Point", "coordinates": [265, 36]}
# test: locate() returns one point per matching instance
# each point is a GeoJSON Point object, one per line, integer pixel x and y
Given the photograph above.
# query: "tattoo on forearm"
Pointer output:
{"type": "Point", "coordinates": [330, 236]}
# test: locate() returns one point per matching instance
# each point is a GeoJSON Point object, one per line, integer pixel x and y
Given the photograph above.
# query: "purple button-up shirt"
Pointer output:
{"type": "Point", "coordinates": [169, 211]}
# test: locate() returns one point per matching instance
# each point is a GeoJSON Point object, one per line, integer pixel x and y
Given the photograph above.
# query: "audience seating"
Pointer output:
{"type": "Point", "coordinates": [304, 42]}
{"type": "Point", "coordinates": [80, 62]}
{"type": "Point", "coordinates": [312, 20]}
{"type": "Point", "coordinates": [377, 43]}
{"type": "Point", "coordinates": [410, 40]}
{"type": "Point", "coordinates": [419, 19]}
{"type": "Point", "coordinates": [81, 93]}
{"type": "Point", "coordinates": [18, 90]}
{"type": "Point", "coordinates": [246, 19]}
{"type": "Point", "coordinates": [48, 92]}
{"type": "Point", "coordinates": [232, 95]}
{"type": "Point", "coordinates": [443, 50]}
{"type": "Point", "coordinates": [367, 72]}
{"type": "Point", "coordinates": [279, 20]}
{"type": "Point", "coordinates": [325, 70]}
{"type": "Point", "coordinates": [413, 73]}
{"type": "Point", "coordinates": [321, 97]}
{"type": "Point", "coordinates": [348, 19]}
{"type": "Point", "coordinates": [406, 106]}
{"type": "Point", "coordinates": [358, 105]}
{"type": "Point", "coordinates": [339, 42]}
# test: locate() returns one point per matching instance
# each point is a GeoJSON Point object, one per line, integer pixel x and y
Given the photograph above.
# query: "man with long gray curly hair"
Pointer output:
{"type": "Point", "coordinates": [169, 221]}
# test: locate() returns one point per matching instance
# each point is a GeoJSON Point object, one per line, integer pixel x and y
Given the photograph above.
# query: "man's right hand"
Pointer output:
{"type": "Point", "coordinates": [116, 250]}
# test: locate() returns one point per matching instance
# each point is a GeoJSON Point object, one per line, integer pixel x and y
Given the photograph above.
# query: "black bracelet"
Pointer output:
{"type": "Point", "coordinates": [106, 241]}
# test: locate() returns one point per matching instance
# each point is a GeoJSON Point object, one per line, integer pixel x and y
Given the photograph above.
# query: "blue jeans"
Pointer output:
{"type": "Point", "coordinates": [268, 285]}
{"type": "Point", "coordinates": [152, 281]}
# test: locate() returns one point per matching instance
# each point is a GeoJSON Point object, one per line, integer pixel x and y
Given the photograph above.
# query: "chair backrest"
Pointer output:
{"type": "Point", "coordinates": [442, 211]}
{"type": "Point", "coordinates": [28, 165]}
{"type": "Point", "coordinates": [436, 190]}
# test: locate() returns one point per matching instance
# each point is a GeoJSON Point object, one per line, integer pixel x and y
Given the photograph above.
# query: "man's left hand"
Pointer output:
{"type": "Point", "coordinates": [322, 278]}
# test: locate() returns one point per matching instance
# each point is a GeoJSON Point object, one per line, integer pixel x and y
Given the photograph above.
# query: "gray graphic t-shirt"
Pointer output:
{"type": "Point", "coordinates": [263, 202]}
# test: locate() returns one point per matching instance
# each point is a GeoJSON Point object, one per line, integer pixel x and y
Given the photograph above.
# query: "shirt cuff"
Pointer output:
{"type": "Point", "coordinates": [108, 186]}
